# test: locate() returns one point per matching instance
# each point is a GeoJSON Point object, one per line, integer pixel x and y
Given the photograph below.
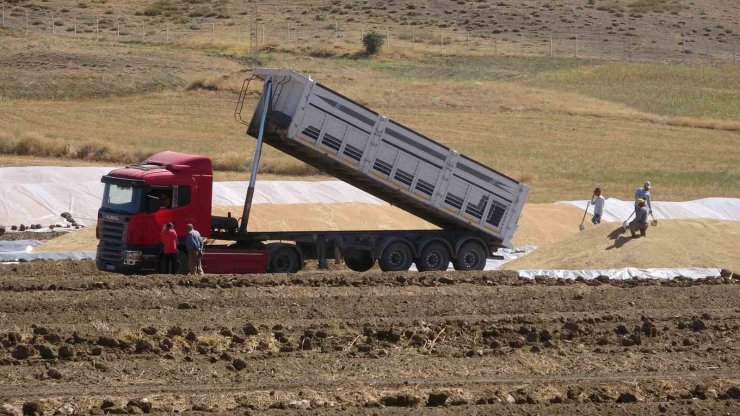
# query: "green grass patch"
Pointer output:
{"type": "Point", "coordinates": [664, 89]}
{"type": "Point", "coordinates": [467, 67]}
{"type": "Point", "coordinates": [657, 6]}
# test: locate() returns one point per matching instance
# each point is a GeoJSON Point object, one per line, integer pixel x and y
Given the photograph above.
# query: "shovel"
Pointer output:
{"type": "Point", "coordinates": [581, 227]}
{"type": "Point", "coordinates": [624, 224]}
{"type": "Point", "coordinates": [654, 222]}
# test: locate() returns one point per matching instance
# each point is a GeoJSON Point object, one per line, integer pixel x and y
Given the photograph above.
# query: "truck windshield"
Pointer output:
{"type": "Point", "coordinates": [122, 198]}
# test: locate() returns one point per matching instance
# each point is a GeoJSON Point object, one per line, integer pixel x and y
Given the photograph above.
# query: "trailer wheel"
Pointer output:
{"type": "Point", "coordinates": [284, 259]}
{"type": "Point", "coordinates": [434, 256]}
{"type": "Point", "coordinates": [471, 256]}
{"type": "Point", "coordinates": [396, 257]}
{"type": "Point", "coordinates": [359, 261]}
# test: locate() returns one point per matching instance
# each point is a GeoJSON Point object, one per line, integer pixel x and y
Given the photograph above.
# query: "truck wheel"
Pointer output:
{"type": "Point", "coordinates": [396, 257]}
{"type": "Point", "coordinates": [471, 256]}
{"type": "Point", "coordinates": [359, 261]}
{"type": "Point", "coordinates": [284, 259]}
{"type": "Point", "coordinates": [434, 256]}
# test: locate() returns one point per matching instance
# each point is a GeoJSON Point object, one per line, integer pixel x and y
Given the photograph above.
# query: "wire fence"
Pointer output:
{"type": "Point", "coordinates": [254, 35]}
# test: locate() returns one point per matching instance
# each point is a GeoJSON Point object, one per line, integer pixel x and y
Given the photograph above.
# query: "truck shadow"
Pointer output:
{"type": "Point", "coordinates": [619, 239]}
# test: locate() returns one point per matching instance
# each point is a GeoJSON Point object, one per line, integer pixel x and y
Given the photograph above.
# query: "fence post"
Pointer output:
{"type": "Point", "coordinates": [521, 43]}
{"type": "Point", "coordinates": [167, 32]}
{"type": "Point", "coordinates": [26, 23]}
{"type": "Point", "coordinates": [550, 44]}
{"type": "Point", "coordinates": [709, 58]}
{"type": "Point", "coordinates": [495, 46]}
{"type": "Point", "coordinates": [213, 31]}
{"type": "Point", "coordinates": [53, 30]}
{"type": "Point", "coordinates": [388, 35]}
{"type": "Point", "coordinates": [264, 38]}
{"type": "Point", "coordinates": [413, 37]}
{"type": "Point", "coordinates": [118, 29]}
{"type": "Point", "coordinates": [290, 41]}
{"type": "Point", "coordinates": [631, 49]}
{"type": "Point", "coordinates": [143, 32]}
{"type": "Point", "coordinates": [3, 16]}
{"type": "Point", "coordinates": [97, 30]}
{"type": "Point", "coordinates": [467, 40]}
{"type": "Point", "coordinates": [75, 28]}
{"type": "Point", "coordinates": [576, 46]}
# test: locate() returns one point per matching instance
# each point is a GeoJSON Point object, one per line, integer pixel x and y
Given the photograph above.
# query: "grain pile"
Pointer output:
{"type": "Point", "coordinates": [79, 240]}
{"type": "Point", "coordinates": [539, 224]}
{"type": "Point", "coordinates": [672, 244]}
{"type": "Point", "coordinates": [288, 217]}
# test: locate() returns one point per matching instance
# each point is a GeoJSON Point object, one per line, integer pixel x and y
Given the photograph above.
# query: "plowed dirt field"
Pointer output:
{"type": "Point", "coordinates": [349, 343]}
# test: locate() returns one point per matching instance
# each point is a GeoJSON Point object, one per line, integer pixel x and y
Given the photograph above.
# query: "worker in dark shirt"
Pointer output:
{"type": "Point", "coordinates": [169, 245]}
{"type": "Point", "coordinates": [641, 219]}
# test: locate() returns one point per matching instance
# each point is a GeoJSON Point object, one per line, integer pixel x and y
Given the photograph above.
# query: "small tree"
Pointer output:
{"type": "Point", "coordinates": [373, 41]}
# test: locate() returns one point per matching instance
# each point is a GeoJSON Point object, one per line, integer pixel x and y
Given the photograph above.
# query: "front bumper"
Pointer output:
{"type": "Point", "coordinates": [147, 264]}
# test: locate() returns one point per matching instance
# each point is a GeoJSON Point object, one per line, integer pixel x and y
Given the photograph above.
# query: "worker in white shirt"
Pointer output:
{"type": "Point", "coordinates": [598, 202]}
{"type": "Point", "coordinates": [644, 194]}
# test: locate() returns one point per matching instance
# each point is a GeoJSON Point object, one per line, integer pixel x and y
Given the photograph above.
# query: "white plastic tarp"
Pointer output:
{"type": "Point", "coordinates": [13, 251]}
{"type": "Point", "coordinates": [624, 273]}
{"type": "Point", "coordinates": [38, 194]}
{"type": "Point", "coordinates": [709, 208]}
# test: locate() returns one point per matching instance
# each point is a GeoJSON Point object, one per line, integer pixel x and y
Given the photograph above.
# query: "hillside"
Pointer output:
{"type": "Point", "coordinates": [641, 29]}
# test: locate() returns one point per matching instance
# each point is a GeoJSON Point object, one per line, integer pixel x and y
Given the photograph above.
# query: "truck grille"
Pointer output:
{"type": "Point", "coordinates": [111, 243]}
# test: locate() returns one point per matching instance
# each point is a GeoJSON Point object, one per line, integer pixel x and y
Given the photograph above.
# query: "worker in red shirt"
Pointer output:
{"type": "Point", "coordinates": [169, 243]}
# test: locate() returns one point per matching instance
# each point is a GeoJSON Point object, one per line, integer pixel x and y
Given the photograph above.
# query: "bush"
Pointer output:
{"type": "Point", "coordinates": [373, 41]}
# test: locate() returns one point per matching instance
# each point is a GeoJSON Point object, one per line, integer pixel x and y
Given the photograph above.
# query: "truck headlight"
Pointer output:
{"type": "Point", "coordinates": [132, 255]}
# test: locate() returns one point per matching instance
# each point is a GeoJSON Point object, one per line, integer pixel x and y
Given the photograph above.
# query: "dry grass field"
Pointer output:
{"type": "Point", "coordinates": [561, 124]}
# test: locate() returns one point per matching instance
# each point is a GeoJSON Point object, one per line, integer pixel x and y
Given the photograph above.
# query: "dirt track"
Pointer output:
{"type": "Point", "coordinates": [337, 341]}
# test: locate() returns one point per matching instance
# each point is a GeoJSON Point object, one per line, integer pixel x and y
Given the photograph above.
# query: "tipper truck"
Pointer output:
{"type": "Point", "coordinates": [475, 207]}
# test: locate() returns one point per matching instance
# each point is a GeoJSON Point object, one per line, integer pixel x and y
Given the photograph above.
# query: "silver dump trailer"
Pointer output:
{"type": "Point", "coordinates": [387, 159]}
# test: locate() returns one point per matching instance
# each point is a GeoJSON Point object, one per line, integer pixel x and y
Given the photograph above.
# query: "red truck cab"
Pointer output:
{"type": "Point", "coordinates": [140, 199]}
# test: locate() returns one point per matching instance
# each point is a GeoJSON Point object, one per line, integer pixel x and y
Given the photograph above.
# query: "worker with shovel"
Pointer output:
{"type": "Point", "coordinates": [598, 202]}
{"type": "Point", "coordinates": [641, 219]}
